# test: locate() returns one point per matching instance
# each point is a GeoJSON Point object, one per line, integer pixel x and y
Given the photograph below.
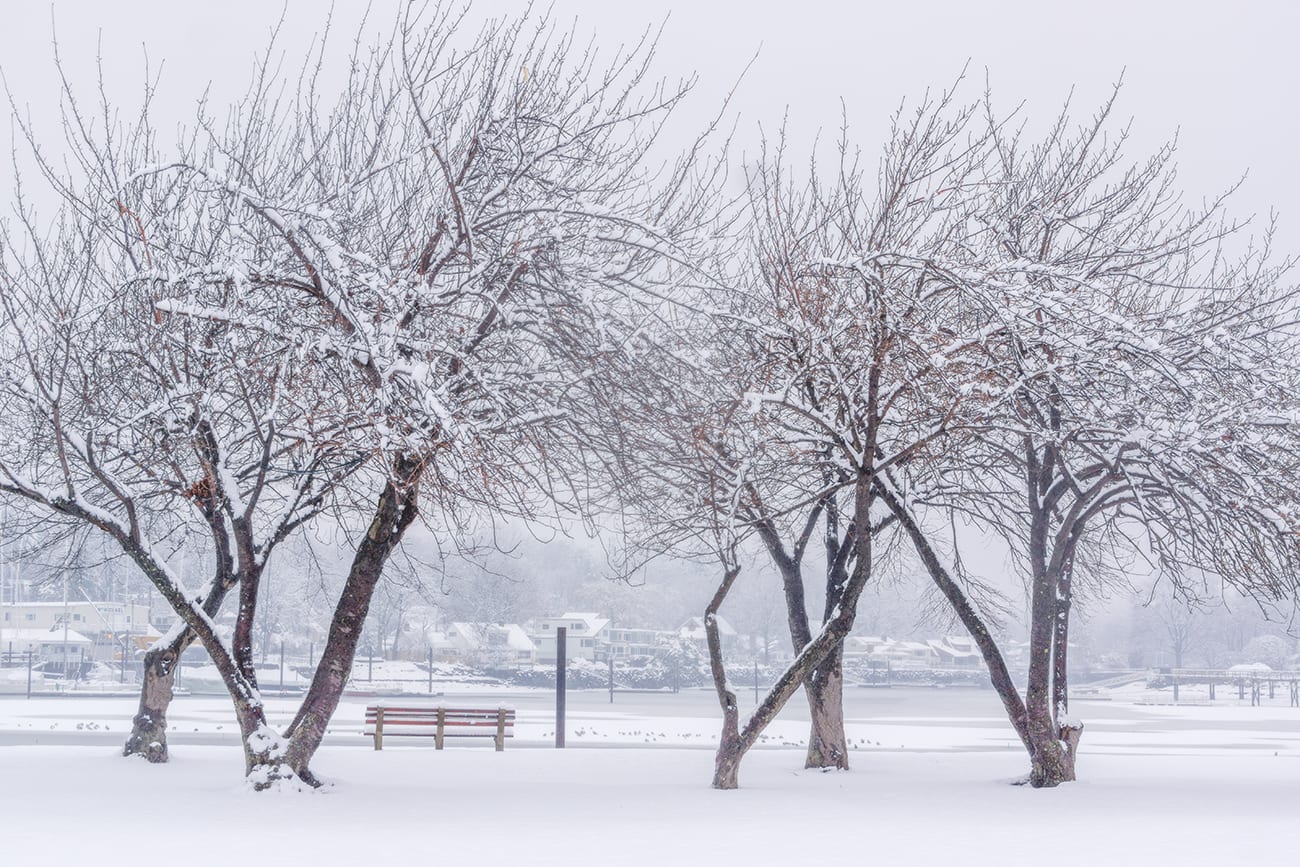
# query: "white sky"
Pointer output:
{"type": "Point", "coordinates": [1224, 75]}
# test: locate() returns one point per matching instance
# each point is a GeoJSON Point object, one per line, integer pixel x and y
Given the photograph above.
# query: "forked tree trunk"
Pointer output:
{"type": "Point", "coordinates": [732, 748]}
{"type": "Point", "coordinates": [827, 745]}
{"type": "Point", "coordinates": [1055, 751]}
{"type": "Point", "coordinates": [148, 736]}
{"type": "Point", "coordinates": [726, 765]}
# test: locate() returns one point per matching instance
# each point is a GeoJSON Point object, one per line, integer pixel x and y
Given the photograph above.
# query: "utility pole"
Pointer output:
{"type": "Point", "coordinates": [561, 634]}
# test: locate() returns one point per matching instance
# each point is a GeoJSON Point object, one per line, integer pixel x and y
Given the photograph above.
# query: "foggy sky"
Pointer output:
{"type": "Point", "coordinates": [1222, 78]}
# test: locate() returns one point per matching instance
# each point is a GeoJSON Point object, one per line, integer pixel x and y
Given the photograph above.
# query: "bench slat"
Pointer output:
{"type": "Point", "coordinates": [439, 723]}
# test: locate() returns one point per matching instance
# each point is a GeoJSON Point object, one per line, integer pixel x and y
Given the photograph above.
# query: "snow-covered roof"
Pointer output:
{"type": "Point", "coordinates": [592, 623]}
{"type": "Point", "coordinates": [71, 603]}
{"type": "Point", "coordinates": [477, 635]}
{"type": "Point", "coordinates": [694, 628]}
{"type": "Point", "coordinates": [44, 636]}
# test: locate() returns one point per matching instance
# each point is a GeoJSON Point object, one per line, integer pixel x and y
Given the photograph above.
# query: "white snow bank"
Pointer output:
{"type": "Point", "coordinates": [649, 807]}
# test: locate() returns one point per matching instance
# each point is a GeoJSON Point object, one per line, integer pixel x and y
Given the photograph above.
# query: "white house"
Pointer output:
{"type": "Point", "coordinates": [693, 630]}
{"type": "Point", "coordinates": [956, 651]}
{"type": "Point", "coordinates": [904, 654]}
{"type": "Point", "coordinates": [486, 643]}
{"type": "Point", "coordinates": [625, 642]}
{"type": "Point", "coordinates": [57, 645]}
{"type": "Point", "coordinates": [586, 637]}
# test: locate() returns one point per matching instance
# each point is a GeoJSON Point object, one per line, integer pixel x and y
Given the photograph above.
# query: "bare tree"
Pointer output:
{"type": "Point", "coordinates": [1132, 381]}
{"type": "Point", "coordinates": [455, 245]}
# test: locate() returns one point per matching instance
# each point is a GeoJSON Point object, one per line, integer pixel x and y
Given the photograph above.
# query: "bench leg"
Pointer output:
{"type": "Point", "coordinates": [379, 728]}
{"type": "Point", "coordinates": [438, 734]}
{"type": "Point", "coordinates": [501, 729]}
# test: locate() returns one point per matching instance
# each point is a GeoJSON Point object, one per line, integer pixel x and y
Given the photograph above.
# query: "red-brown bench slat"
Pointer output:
{"type": "Point", "coordinates": [439, 723]}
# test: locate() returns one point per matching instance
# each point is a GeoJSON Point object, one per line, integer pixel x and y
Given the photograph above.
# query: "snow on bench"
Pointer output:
{"type": "Point", "coordinates": [439, 723]}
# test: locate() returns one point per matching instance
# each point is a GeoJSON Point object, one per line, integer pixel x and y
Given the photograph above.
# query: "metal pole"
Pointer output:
{"type": "Point", "coordinates": [370, 664]}
{"type": "Point", "coordinates": [755, 681]}
{"type": "Point", "coordinates": [430, 671]}
{"type": "Point", "coordinates": [29, 672]}
{"type": "Point", "coordinates": [281, 665]}
{"type": "Point", "coordinates": [311, 655]}
{"type": "Point", "coordinates": [561, 634]}
{"type": "Point", "coordinates": [611, 677]}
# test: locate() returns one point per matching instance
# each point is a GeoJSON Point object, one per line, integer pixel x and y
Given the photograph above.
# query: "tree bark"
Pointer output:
{"type": "Point", "coordinates": [148, 736]}
{"type": "Point", "coordinates": [831, 637]}
{"type": "Point", "coordinates": [395, 511]}
{"type": "Point", "coordinates": [726, 766]}
{"type": "Point", "coordinates": [827, 744]}
{"type": "Point", "coordinates": [999, 675]}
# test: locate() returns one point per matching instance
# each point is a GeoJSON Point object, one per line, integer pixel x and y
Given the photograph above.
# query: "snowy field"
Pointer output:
{"type": "Point", "coordinates": [1188, 785]}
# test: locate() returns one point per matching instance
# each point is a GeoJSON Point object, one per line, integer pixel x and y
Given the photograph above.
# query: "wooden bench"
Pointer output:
{"type": "Point", "coordinates": [439, 723]}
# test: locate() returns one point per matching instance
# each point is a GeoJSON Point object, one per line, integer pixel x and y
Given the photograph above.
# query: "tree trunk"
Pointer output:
{"type": "Point", "coordinates": [394, 512]}
{"type": "Point", "coordinates": [148, 736]}
{"type": "Point", "coordinates": [726, 767]}
{"type": "Point", "coordinates": [827, 745]}
{"type": "Point", "coordinates": [809, 658]}
{"type": "Point", "coordinates": [999, 675]}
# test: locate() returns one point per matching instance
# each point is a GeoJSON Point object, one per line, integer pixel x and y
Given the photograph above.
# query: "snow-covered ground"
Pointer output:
{"type": "Point", "coordinates": [1161, 784]}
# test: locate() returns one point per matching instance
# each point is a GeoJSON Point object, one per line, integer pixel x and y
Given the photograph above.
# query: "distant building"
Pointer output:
{"type": "Point", "coordinates": [108, 626]}
{"type": "Point", "coordinates": [626, 643]}
{"type": "Point", "coordinates": [495, 644]}
{"type": "Point", "coordinates": [587, 637]}
{"type": "Point", "coordinates": [64, 648]}
{"type": "Point", "coordinates": [693, 630]}
{"type": "Point", "coordinates": [951, 651]}
{"type": "Point", "coordinates": [956, 651]}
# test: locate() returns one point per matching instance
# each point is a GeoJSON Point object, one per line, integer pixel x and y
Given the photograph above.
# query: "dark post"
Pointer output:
{"type": "Point", "coordinates": [430, 671]}
{"type": "Point", "coordinates": [560, 635]}
{"type": "Point", "coordinates": [311, 655]}
{"type": "Point", "coordinates": [611, 676]}
{"type": "Point", "coordinates": [29, 672]}
{"type": "Point", "coordinates": [1175, 688]}
{"type": "Point", "coordinates": [282, 665]}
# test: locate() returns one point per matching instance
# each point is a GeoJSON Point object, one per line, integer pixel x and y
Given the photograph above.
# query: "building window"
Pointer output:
{"type": "Point", "coordinates": [576, 627]}
{"type": "Point", "coordinates": [76, 617]}
{"type": "Point", "coordinates": [29, 617]}
{"type": "Point", "coordinates": [588, 642]}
